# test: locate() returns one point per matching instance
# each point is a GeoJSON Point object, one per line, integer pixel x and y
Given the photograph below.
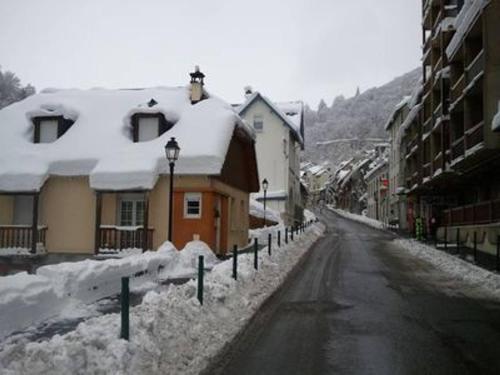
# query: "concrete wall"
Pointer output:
{"type": "Point", "coordinates": [6, 209]}
{"type": "Point", "coordinates": [67, 208]}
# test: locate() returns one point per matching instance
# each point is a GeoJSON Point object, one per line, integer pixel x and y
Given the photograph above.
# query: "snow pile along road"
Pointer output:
{"type": "Point", "coordinates": [478, 281]}
{"type": "Point", "coordinates": [170, 332]}
{"type": "Point", "coordinates": [359, 218]}
{"type": "Point", "coordinates": [26, 300]}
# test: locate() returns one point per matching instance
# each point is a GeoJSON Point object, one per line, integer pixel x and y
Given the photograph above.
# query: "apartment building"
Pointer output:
{"type": "Point", "coordinates": [451, 150]}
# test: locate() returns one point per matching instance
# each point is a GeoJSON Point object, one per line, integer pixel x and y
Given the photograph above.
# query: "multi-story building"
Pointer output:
{"type": "Point", "coordinates": [279, 129]}
{"type": "Point", "coordinates": [396, 199]}
{"type": "Point", "coordinates": [451, 148]}
{"type": "Point", "coordinates": [377, 181]}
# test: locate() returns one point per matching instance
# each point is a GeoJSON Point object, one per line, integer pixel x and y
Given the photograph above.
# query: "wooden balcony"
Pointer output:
{"type": "Point", "coordinates": [437, 163]}
{"type": "Point", "coordinates": [426, 170]}
{"type": "Point", "coordinates": [21, 237]}
{"type": "Point", "coordinates": [473, 214]}
{"type": "Point", "coordinates": [119, 238]}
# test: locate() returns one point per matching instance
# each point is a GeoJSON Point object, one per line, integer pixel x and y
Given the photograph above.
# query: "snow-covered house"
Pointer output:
{"type": "Point", "coordinates": [83, 170]}
{"type": "Point", "coordinates": [279, 129]}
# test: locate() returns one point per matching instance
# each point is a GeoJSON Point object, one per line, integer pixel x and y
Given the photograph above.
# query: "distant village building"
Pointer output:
{"type": "Point", "coordinates": [85, 170]}
{"type": "Point", "coordinates": [279, 129]}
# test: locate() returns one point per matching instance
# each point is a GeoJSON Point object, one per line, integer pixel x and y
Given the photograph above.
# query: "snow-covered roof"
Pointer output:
{"type": "Point", "coordinates": [397, 108]}
{"type": "Point", "coordinates": [463, 22]}
{"type": "Point", "coordinates": [99, 144]}
{"type": "Point", "coordinates": [292, 113]}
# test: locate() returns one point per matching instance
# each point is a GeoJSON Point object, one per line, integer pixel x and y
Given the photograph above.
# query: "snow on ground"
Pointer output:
{"type": "Point", "coordinates": [359, 218]}
{"type": "Point", "coordinates": [477, 280]}
{"type": "Point", "coordinates": [170, 332]}
{"type": "Point", "coordinates": [257, 210]}
{"type": "Point", "coordinates": [31, 299]}
{"type": "Point", "coordinates": [309, 216]}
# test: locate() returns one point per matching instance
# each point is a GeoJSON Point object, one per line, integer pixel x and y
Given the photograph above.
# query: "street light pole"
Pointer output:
{"type": "Point", "coordinates": [265, 185]}
{"type": "Point", "coordinates": [170, 201]}
{"type": "Point", "coordinates": [172, 150]}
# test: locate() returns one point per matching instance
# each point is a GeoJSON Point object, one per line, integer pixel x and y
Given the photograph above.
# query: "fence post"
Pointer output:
{"type": "Point", "coordinates": [291, 233]}
{"type": "Point", "coordinates": [269, 241]}
{"type": "Point", "coordinates": [235, 262]}
{"type": "Point", "coordinates": [125, 306]}
{"type": "Point", "coordinates": [458, 241]}
{"type": "Point", "coordinates": [200, 278]}
{"type": "Point", "coordinates": [445, 238]}
{"type": "Point", "coordinates": [498, 253]}
{"type": "Point", "coordinates": [256, 254]}
{"type": "Point", "coordinates": [286, 235]}
{"type": "Point", "coordinates": [279, 238]}
{"type": "Point", "coordinates": [475, 247]}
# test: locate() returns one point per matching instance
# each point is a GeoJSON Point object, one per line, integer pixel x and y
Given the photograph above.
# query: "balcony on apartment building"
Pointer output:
{"type": "Point", "coordinates": [473, 214]}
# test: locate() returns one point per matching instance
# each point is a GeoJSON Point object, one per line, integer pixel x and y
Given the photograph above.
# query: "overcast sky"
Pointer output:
{"type": "Point", "coordinates": [287, 49]}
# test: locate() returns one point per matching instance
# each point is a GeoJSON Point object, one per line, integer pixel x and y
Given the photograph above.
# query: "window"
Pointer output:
{"type": "Point", "coordinates": [148, 126]}
{"type": "Point", "coordinates": [258, 123]}
{"type": "Point", "coordinates": [131, 210]}
{"type": "Point", "coordinates": [192, 205]}
{"type": "Point", "coordinates": [49, 129]}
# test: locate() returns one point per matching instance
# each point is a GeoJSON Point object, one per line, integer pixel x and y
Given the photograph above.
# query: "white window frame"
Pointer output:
{"type": "Point", "coordinates": [49, 131]}
{"type": "Point", "coordinates": [192, 197]}
{"type": "Point", "coordinates": [135, 200]}
{"type": "Point", "coordinates": [152, 124]}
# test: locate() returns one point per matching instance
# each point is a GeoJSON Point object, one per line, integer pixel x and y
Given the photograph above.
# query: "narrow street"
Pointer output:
{"type": "Point", "coordinates": [361, 305]}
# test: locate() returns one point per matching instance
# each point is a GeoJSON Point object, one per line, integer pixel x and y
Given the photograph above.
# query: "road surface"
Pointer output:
{"type": "Point", "coordinates": [361, 305]}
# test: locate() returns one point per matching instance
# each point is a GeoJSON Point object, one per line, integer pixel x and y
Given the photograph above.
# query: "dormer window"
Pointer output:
{"type": "Point", "coordinates": [49, 129]}
{"type": "Point", "coordinates": [148, 126]}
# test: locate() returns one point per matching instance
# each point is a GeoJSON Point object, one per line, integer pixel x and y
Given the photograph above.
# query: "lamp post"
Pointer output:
{"type": "Point", "coordinates": [265, 185]}
{"type": "Point", "coordinates": [172, 152]}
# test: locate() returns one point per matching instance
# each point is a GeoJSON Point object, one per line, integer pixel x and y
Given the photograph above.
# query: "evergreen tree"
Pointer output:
{"type": "Point", "coordinates": [11, 90]}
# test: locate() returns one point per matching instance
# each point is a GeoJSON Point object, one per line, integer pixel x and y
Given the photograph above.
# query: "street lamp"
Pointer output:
{"type": "Point", "coordinates": [265, 185]}
{"type": "Point", "coordinates": [172, 152]}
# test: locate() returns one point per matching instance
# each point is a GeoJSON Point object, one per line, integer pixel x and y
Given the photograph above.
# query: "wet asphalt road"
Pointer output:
{"type": "Point", "coordinates": [360, 305]}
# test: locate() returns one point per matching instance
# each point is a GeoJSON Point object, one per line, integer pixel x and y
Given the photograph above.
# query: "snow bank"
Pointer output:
{"type": "Point", "coordinates": [25, 300]}
{"type": "Point", "coordinates": [170, 332]}
{"type": "Point", "coordinates": [309, 216]}
{"type": "Point", "coordinates": [477, 281]}
{"type": "Point", "coordinates": [41, 296]}
{"type": "Point", "coordinates": [359, 218]}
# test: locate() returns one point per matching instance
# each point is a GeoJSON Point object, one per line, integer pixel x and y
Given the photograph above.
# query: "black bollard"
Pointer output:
{"type": "Point", "coordinates": [279, 238]}
{"type": "Point", "coordinates": [291, 233]}
{"type": "Point", "coordinates": [200, 278]}
{"type": "Point", "coordinates": [235, 262]}
{"type": "Point", "coordinates": [286, 235]}
{"type": "Point", "coordinates": [269, 240]}
{"type": "Point", "coordinates": [125, 306]}
{"type": "Point", "coordinates": [256, 254]}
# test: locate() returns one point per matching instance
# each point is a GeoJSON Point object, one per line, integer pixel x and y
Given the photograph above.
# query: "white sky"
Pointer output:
{"type": "Point", "coordinates": [288, 49]}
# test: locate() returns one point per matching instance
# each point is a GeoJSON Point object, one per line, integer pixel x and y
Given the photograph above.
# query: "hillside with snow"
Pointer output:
{"type": "Point", "coordinates": [349, 126]}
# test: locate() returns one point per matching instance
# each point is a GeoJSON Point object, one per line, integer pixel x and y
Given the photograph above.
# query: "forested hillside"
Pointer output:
{"type": "Point", "coordinates": [337, 132]}
{"type": "Point", "coordinates": [11, 89]}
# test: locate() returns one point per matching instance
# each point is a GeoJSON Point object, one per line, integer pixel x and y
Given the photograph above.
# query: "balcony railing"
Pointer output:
{"type": "Point", "coordinates": [426, 170]}
{"type": "Point", "coordinates": [437, 162]}
{"type": "Point", "coordinates": [473, 214]}
{"type": "Point", "coordinates": [21, 236]}
{"type": "Point", "coordinates": [457, 148]}
{"type": "Point", "coordinates": [474, 135]}
{"type": "Point", "coordinates": [119, 238]}
{"type": "Point", "coordinates": [457, 89]}
{"type": "Point", "coordinates": [475, 67]}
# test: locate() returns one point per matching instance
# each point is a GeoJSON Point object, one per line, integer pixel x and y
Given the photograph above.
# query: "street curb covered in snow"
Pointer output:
{"type": "Point", "coordinates": [169, 332]}
{"type": "Point", "coordinates": [479, 281]}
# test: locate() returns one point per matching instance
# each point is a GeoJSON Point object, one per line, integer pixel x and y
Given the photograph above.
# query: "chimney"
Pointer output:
{"type": "Point", "coordinates": [248, 91]}
{"type": "Point", "coordinates": [197, 85]}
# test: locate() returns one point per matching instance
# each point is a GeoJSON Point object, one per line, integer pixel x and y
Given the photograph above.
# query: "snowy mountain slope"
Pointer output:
{"type": "Point", "coordinates": [361, 117]}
